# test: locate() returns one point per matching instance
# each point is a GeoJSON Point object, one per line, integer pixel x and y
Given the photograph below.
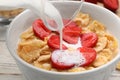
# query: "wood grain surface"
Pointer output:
{"type": "Point", "coordinates": [8, 67]}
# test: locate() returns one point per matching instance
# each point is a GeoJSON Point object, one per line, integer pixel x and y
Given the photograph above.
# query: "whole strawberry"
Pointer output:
{"type": "Point", "coordinates": [111, 4]}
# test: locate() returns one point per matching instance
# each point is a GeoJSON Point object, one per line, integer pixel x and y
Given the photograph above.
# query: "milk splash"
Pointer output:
{"type": "Point", "coordinates": [69, 57]}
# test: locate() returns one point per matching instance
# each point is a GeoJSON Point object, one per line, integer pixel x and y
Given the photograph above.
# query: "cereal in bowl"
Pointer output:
{"type": "Point", "coordinates": [86, 45]}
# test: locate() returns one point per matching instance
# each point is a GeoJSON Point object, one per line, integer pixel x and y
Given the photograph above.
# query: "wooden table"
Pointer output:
{"type": "Point", "coordinates": [8, 67]}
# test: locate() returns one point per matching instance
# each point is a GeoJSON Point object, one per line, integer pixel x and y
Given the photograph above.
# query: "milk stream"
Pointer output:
{"type": "Point", "coordinates": [43, 9]}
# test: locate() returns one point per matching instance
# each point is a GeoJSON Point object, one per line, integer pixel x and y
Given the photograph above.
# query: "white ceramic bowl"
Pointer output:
{"type": "Point", "coordinates": [25, 19]}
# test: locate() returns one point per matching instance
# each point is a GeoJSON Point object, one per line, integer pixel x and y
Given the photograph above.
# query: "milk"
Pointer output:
{"type": "Point", "coordinates": [69, 57]}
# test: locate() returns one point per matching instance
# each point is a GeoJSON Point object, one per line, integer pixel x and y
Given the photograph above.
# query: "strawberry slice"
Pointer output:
{"type": "Point", "coordinates": [66, 21]}
{"type": "Point", "coordinates": [70, 40]}
{"type": "Point", "coordinates": [72, 31]}
{"type": "Point", "coordinates": [71, 34]}
{"type": "Point", "coordinates": [92, 1]}
{"type": "Point", "coordinates": [89, 54]}
{"type": "Point", "coordinates": [62, 59]}
{"type": "Point", "coordinates": [59, 60]}
{"type": "Point", "coordinates": [111, 4]}
{"type": "Point", "coordinates": [54, 42]}
{"type": "Point", "coordinates": [40, 30]}
{"type": "Point", "coordinates": [89, 39]}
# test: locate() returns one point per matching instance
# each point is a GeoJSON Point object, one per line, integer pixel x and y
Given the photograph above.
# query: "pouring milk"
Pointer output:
{"type": "Point", "coordinates": [45, 10]}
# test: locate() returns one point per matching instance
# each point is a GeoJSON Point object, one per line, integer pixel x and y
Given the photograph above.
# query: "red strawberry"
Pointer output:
{"type": "Point", "coordinates": [54, 42]}
{"type": "Point", "coordinates": [89, 39]}
{"type": "Point", "coordinates": [62, 60]}
{"type": "Point", "coordinates": [40, 30]}
{"type": "Point", "coordinates": [72, 31]}
{"type": "Point", "coordinates": [100, 0]}
{"type": "Point", "coordinates": [57, 62]}
{"type": "Point", "coordinates": [66, 21]}
{"type": "Point", "coordinates": [89, 54]}
{"type": "Point", "coordinates": [69, 39]}
{"type": "Point", "coordinates": [111, 4]}
{"type": "Point", "coordinates": [92, 1]}
{"type": "Point", "coordinates": [71, 34]}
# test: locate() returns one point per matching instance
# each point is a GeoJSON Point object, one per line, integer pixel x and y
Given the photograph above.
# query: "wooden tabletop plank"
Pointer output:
{"type": "Point", "coordinates": [11, 77]}
{"type": "Point", "coordinates": [7, 63]}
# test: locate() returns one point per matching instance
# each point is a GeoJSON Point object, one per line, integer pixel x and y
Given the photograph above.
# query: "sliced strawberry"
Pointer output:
{"type": "Point", "coordinates": [66, 21]}
{"type": "Point", "coordinates": [92, 1]}
{"type": "Point", "coordinates": [57, 62]}
{"type": "Point", "coordinates": [62, 59]}
{"type": "Point", "coordinates": [69, 39]}
{"type": "Point", "coordinates": [54, 42]}
{"type": "Point", "coordinates": [71, 34]}
{"type": "Point", "coordinates": [89, 39]}
{"type": "Point", "coordinates": [89, 54]}
{"type": "Point", "coordinates": [112, 5]}
{"type": "Point", "coordinates": [40, 30]}
{"type": "Point", "coordinates": [72, 31]}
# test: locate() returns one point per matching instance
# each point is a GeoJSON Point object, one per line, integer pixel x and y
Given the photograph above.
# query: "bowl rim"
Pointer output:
{"type": "Point", "coordinates": [16, 57]}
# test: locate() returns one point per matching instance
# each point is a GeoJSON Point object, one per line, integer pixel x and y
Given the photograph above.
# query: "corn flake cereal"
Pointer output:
{"type": "Point", "coordinates": [37, 52]}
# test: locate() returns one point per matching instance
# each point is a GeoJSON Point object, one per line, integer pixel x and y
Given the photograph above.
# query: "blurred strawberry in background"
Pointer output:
{"type": "Point", "coordinates": [92, 1]}
{"type": "Point", "coordinates": [112, 5]}
{"type": "Point", "coordinates": [100, 0]}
